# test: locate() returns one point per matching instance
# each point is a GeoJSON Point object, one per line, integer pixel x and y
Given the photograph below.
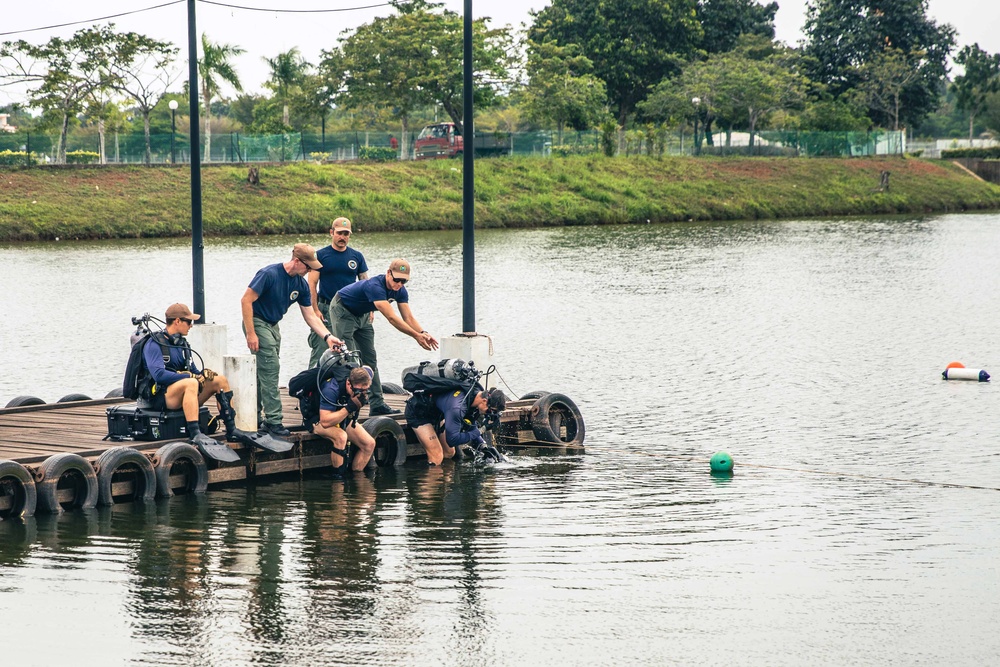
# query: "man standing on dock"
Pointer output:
{"type": "Point", "coordinates": [342, 266]}
{"type": "Point", "coordinates": [354, 307]}
{"type": "Point", "coordinates": [271, 292]}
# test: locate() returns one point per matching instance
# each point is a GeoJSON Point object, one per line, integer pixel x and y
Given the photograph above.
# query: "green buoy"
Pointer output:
{"type": "Point", "coordinates": [721, 462]}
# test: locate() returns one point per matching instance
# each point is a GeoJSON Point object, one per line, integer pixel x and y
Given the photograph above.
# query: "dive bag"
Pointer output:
{"type": "Point", "coordinates": [135, 370]}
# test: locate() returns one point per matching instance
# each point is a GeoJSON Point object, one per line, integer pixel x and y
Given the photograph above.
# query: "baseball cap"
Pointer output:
{"type": "Point", "coordinates": [178, 311]}
{"type": "Point", "coordinates": [340, 223]}
{"type": "Point", "coordinates": [307, 254]}
{"type": "Point", "coordinates": [400, 269]}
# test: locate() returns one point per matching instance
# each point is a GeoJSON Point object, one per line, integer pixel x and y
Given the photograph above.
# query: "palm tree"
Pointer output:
{"type": "Point", "coordinates": [288, 69]}
{"type": "Point", "coordinates": [214, 68]}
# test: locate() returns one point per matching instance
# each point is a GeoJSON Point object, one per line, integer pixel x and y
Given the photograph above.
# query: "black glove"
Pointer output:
{"type": "Point", "coordinates": [488, 451]}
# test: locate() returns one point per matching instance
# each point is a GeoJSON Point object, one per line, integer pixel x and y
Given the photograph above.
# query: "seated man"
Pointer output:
{"type": "Point", "coordinates": [339, 405]}
{"type": "Point", "coordinates": [173, 381]}
{"type": "Point", "coordinates": [460, 412]}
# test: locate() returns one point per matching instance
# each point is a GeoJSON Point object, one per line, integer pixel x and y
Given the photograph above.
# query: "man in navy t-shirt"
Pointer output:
{"type": "Point", "coordinates": [271, 292]}
{"type": "Point", "coordinates": [342, 266]}
{"type": "Point", "coordinates": [339, 404]}
{"type": "Point", "coordinates": [354, 306]}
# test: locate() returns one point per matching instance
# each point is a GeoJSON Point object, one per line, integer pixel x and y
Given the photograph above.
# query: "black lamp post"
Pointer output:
{"type": "Point", "coordinates": [173, 129]}
{"type": "Point", "coordinates": [696, 101]}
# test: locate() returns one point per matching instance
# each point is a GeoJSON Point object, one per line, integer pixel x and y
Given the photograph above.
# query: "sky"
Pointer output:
{"type": "Point", "coordinates": [265, 34]}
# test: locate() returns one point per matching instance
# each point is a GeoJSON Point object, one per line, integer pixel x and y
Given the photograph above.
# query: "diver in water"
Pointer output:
{"type": "Point", "coordinates": [461, 412]}
{"type": "Point", "coordinates": [173, 381]}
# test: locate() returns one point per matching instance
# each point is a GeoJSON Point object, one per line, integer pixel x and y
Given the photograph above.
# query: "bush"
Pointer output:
{"type": "Point", "coordinates": [748, 151]}
{"type": "Point", "coordinates": [376, 153]}
{"type": "Point", "coordinates": [609, 137]}
{"type": "Point", "coordinates": [574, 149]}
{"type": "Point", "coordinates": [81, 157]}
{"type": "Point", "coordinates": [320, 157]}
{"type": "Point", "coordinates": [10, 158]}
{"type": "Point", "coordinates": [992, 153]}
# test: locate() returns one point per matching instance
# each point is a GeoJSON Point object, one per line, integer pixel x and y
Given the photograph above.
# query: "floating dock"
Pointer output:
{"type": "Point", "coordinates": [55, 456]}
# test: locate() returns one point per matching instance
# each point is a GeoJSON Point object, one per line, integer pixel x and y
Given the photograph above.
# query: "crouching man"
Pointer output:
{"type": "Point", "coordinates": [173, 381]}
{"type": "Point", "coordinates": [339, 404]}
{"type": "Point", "coordinates": [461, 412]}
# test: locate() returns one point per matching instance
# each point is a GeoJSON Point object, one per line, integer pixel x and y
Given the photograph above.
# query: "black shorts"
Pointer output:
{"type": "Point", "coordinates": [420, 412]}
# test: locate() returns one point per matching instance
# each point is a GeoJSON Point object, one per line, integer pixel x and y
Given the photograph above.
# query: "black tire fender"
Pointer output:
{"type": "Point", "coordinates": [17, 483]}
{"type": "Point", "coordinates": [115, 393]}
{"type": "Point", "coordinates": [21, 401]}
{"type": "Point", "coordinates": [69, 398]}
{"type": "Point", "coordinates": [70, 470]}
{"type": "Point", "coordinates": [553, 411]}
{"type": "Point", "coordinates": [535, 395]}
{"type": "Point", "coordinates": [390, 441]}
{"type": "Point", "coordinates": [112, 462]}
{"type": "Point", "coordinates": [175, 454]}
{"type": "Point", "coordinates": [393, 388]}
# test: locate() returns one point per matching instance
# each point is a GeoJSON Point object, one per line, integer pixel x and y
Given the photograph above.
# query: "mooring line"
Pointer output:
{"type": "Point", "coordinates": [947, 485]}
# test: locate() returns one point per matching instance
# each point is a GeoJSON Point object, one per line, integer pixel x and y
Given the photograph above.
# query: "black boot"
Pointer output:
{"type": "Point", "coordinates": [228, 415]}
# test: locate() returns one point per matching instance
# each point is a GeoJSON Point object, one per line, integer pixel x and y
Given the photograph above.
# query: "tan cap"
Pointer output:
{"type": "Point", "coordinates": [340, 223]}
{"type": "Point", "coordinates": [180, 311]}
{"type": "Point", "coordinates": [306, 254]}
{"type": "Point", "coordinates": [400, 269]}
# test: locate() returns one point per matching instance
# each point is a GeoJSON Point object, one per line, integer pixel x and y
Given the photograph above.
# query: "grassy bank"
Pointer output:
{"type": "Point", "coordinates": [95, 202]}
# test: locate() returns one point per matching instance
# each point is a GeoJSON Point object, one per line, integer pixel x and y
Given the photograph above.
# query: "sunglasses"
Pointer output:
{"type": "Point", "coordinates": [401, 281]}
{"type": "Point", "coordinates": [186, 321]}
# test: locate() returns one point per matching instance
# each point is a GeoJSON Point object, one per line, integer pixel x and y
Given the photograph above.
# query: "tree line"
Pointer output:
{"type": "Point", "coordinates": [580, 64]}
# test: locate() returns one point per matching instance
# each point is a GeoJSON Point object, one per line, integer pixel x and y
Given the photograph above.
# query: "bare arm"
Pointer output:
{"type": "Point", "coordinates": [246, 306]}
{"type": "Point", "coordinates": [313, 279]}
{"type": "Point", "coordinates": [330, 418]}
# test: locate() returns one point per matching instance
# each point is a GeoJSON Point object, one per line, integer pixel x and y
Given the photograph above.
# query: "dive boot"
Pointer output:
{"type": "Point", "coordinates": [233, 434]}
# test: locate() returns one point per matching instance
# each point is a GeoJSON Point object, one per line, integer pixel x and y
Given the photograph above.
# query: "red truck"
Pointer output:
{"type": "Point", "coordinates": [441, 140]}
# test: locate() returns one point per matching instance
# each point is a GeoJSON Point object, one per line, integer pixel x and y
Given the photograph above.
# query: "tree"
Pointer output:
{"type": "Point", "coordinates": [412, 59]}
{"type": "Point", "coordinates": [144, 73]}
{"type": "Point", "coordinates": [634, 44]}
{"type": "Point", "coordinates": [214, 68]}
{"type": "Point", "coordinates": [981, 78]}
{"type": "Point", "coordinates": [884, 80]}
{"type": "Point", "coordinates": [561, 89]}
{"type": "Point", "coordinates": [842, 36]}
{"type": "Point", "coordinates": [288, 70]}
{"type": "Point", "coordinates": [724, 21]}
{"type": "Point", "coordinates": [69, 73]}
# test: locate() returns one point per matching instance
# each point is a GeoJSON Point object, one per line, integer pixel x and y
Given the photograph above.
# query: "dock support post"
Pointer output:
{"type": "Point", "coordinates": [241, 370]}
{"type": "Point", "coordinates": [209, 340]}
{"type": "Point", "coordinates": [474, 347]}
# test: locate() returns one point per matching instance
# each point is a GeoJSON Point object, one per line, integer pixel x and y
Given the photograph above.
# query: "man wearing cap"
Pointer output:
{"type": "Point", "coordinates": [342, 266]}
{"type": "Point", "coordinates": [173, 381]}
{"type": "Point", "coordinates": [271, 292]}
{"type": "Point", "coordinates": [461, 413]}
{"type": "Point", "coordinates": [354, 306]}
{"type": "Point", "coordinates": [339, 404]}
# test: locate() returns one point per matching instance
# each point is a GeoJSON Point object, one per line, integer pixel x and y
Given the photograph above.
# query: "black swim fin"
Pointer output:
{"type": "Point", "coordinates": [214, 449]}
{"type": "Point", "coordinates": [260, 440]}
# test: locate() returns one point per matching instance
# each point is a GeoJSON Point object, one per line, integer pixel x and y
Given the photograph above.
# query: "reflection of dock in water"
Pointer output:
{"type": "Point", "coordinates": [57, 455]}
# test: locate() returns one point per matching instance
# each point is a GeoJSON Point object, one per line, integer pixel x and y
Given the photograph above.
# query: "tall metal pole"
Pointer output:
{"type": "Point", "coordinates": [197, 239]}
{"type": "Point", "coordinates": [468, 188]}
{"type": "Point", "coordinates": [173, 132]}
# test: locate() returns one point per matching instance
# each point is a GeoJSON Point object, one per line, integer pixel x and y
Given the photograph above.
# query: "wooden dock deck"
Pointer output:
{"type": "Point", "coordinates": [31, 435]}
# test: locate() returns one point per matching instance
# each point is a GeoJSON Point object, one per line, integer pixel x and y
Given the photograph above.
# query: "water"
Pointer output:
{"type": "Point", "coordinates": [810, 350]}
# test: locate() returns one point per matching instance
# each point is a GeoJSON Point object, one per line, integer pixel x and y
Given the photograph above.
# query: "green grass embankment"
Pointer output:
{"type": "Point", "coordinates": [117, 202]}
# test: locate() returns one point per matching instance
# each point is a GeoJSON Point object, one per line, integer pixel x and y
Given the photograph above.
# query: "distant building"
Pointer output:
{"type": "Point", "coordinates": [4, 127]}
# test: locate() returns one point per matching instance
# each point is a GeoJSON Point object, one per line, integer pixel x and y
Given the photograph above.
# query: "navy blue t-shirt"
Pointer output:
{"type": "Point", "coordinates": [452, 406]}
{"type": "Point", "coordinates": [276, 291]}
{"type": "Point", "coordinates": [334, 396]}
{"type": "Point", "coordinates": [360, 297]}
{"type": "Point", "coordinates": [340, 269]}
{"type": "Point", "coordinates": [164, 362]}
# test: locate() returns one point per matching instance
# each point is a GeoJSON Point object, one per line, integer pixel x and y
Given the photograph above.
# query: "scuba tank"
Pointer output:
{"type": "Point", "coordinates": [448, 369]}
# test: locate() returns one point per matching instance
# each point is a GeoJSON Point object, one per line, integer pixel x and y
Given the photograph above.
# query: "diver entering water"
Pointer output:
{"type": "Point", "coordinates": [450, 409]}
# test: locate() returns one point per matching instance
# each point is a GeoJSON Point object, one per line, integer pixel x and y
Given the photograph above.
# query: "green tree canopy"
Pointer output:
{"type": "Point", "coordinates": [634, 44]}
{"type": "Point", "coordinates": [561, 90]}
{"type": "Point", "coordinates": [215, 67]}
{"type": "Point", "coordinates": [981, 78]}
{"type": "Point", "coordinates": [845, 36]}
{"type": "Point", "coordinates": [724, 21]}
{"type": "Point", "coordinates": [288, 72]}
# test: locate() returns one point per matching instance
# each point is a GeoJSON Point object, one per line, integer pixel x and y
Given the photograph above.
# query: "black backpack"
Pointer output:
{"type": "Point", "coordinates": [426, 387]}
{"type": "Point", "coordinates": [135, 370]}
{"type": "Point", "coordinates": [305, 387]}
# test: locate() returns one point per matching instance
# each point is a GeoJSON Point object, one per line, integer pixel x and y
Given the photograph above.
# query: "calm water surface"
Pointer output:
{"type": "Point", "coordinates": [810, 350]}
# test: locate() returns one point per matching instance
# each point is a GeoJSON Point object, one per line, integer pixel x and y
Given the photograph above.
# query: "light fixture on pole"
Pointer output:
{"type": "Point", "coordinates": [173, 129]}
{"type": "Point", "coordinates": [696, 101]}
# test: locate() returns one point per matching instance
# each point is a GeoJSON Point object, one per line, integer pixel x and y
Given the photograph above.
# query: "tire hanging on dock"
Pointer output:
{"type": "Point", "coordinates": [119, 464]}
{"type": "Point", "coordinates": [535, 395]}
{"type": "Point", "coordinates": [61, 472]}
{"type": "Point", "coordinates": [69, 398]}
{"type": "Point", "coordinates": [393, 388]}
{"type": "Point", "coordinates": [390, 441]}
{"type": "Point", "coordinates": [176, 458]}
{"type": "Point", "coordinates": [551, 414]}
{"type": "Point", "coordinates": [22, 401]}
{"type": "Point", "coordinates": [17, 484]}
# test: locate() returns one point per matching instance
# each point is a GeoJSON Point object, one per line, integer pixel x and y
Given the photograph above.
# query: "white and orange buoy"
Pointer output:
{"type": "Point", "coordinates": [957, 371]}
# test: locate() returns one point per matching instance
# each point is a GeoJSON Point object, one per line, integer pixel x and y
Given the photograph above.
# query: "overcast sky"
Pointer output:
{"type": "Point", "coordinates": [269, 33]}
